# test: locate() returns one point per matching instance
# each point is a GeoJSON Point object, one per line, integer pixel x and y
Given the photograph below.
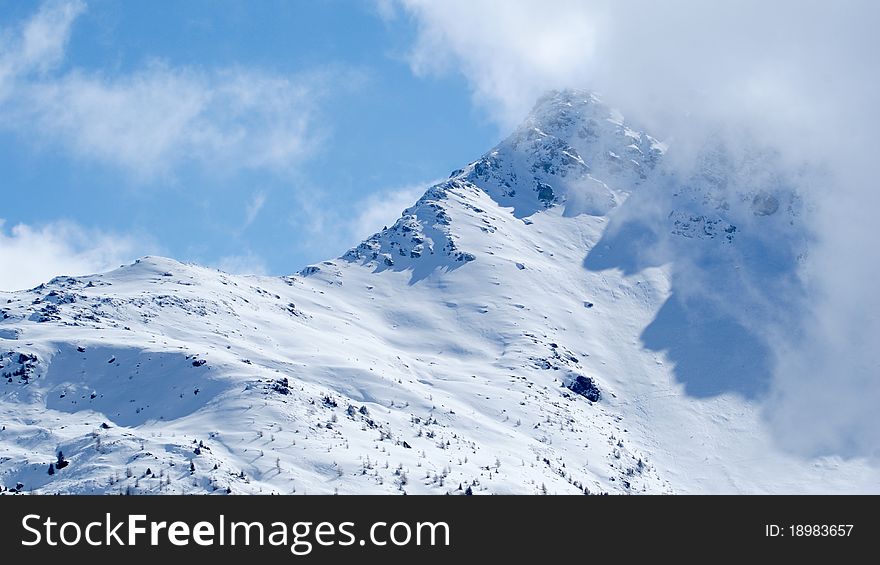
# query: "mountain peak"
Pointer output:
{"type": "Point", "coordinates": [563, 107]}
{"type": "Point", "coordinates": [572, 150]}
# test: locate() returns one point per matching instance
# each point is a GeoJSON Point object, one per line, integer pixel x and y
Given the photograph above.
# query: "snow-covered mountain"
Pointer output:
{"type": "Point", "coordinates": [537, 323]}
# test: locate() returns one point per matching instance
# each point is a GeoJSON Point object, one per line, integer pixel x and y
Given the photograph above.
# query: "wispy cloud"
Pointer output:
{"type": "Point", "coordinates": [33, 254]}
{"type": "Point", "coordinates": [243, 264]}
{"type": "Point", "coordinates": [382, 209]}
{"type": "Point", "coordinates": [41, 40]}
{"type": "Point", "coordinates": [252, 210]}
{"type": "Point", "coordinates": [386, 9]}
{"type": "Point", "coordinates": [329, 231]}
{"type": "Point", "coordinates": [156, 118]}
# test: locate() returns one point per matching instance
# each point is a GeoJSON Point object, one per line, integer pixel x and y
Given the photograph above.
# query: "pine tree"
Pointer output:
{"type": "Point", "coordinates": [51, 468]}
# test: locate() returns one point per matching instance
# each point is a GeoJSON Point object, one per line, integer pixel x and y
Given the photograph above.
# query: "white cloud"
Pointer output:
{"type": "Point", "coordinates": [330, 231]}
{"type": "Point", "coordinates": [252, 210]}
{"type": "Point", "coordinates": [676, 64]}
{"type": "Point", "coordinates": [798, 76]}
{"type": "Point", "coordinates": [383, 209]}
{"type": "Point", "coordinates": [157, 117]}
{"type": "Point", "coordinates": [30, 255]}
{"type": "Point", "coordinates": [44, 37]}
{"type": "Point", "coordinates": [510, 52]}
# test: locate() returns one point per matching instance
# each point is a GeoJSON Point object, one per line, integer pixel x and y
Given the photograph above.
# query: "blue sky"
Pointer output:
{"type": "Point", "coordinates": [252, 136]}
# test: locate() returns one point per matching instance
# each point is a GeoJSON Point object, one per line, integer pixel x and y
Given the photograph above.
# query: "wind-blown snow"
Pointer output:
{"type": "Point", "coordinates": [513, 332]}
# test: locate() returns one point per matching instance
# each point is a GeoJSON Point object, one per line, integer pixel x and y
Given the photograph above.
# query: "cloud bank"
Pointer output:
{"type": "Point", "coordinates": [155, 118]}
{"type": "Point", "coordinates": [797, 78]}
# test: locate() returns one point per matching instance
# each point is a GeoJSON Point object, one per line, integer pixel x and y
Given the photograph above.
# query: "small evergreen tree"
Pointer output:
{"type": "Point", "coordinates": [51, 468]}
{"type": "Point", "coordinates": [62, 462]}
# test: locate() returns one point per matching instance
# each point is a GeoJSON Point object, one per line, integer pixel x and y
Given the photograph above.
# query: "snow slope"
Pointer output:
{"type": "Point", "coordinates": [525, 327]}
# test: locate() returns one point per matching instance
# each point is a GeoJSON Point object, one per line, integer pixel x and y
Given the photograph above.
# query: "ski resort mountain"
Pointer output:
{"type": "Point", "coordinates": [564, 315]}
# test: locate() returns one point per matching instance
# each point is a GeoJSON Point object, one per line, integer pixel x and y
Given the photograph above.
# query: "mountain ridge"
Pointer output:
{"type": "Point", "coordinates": [522, 328]}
